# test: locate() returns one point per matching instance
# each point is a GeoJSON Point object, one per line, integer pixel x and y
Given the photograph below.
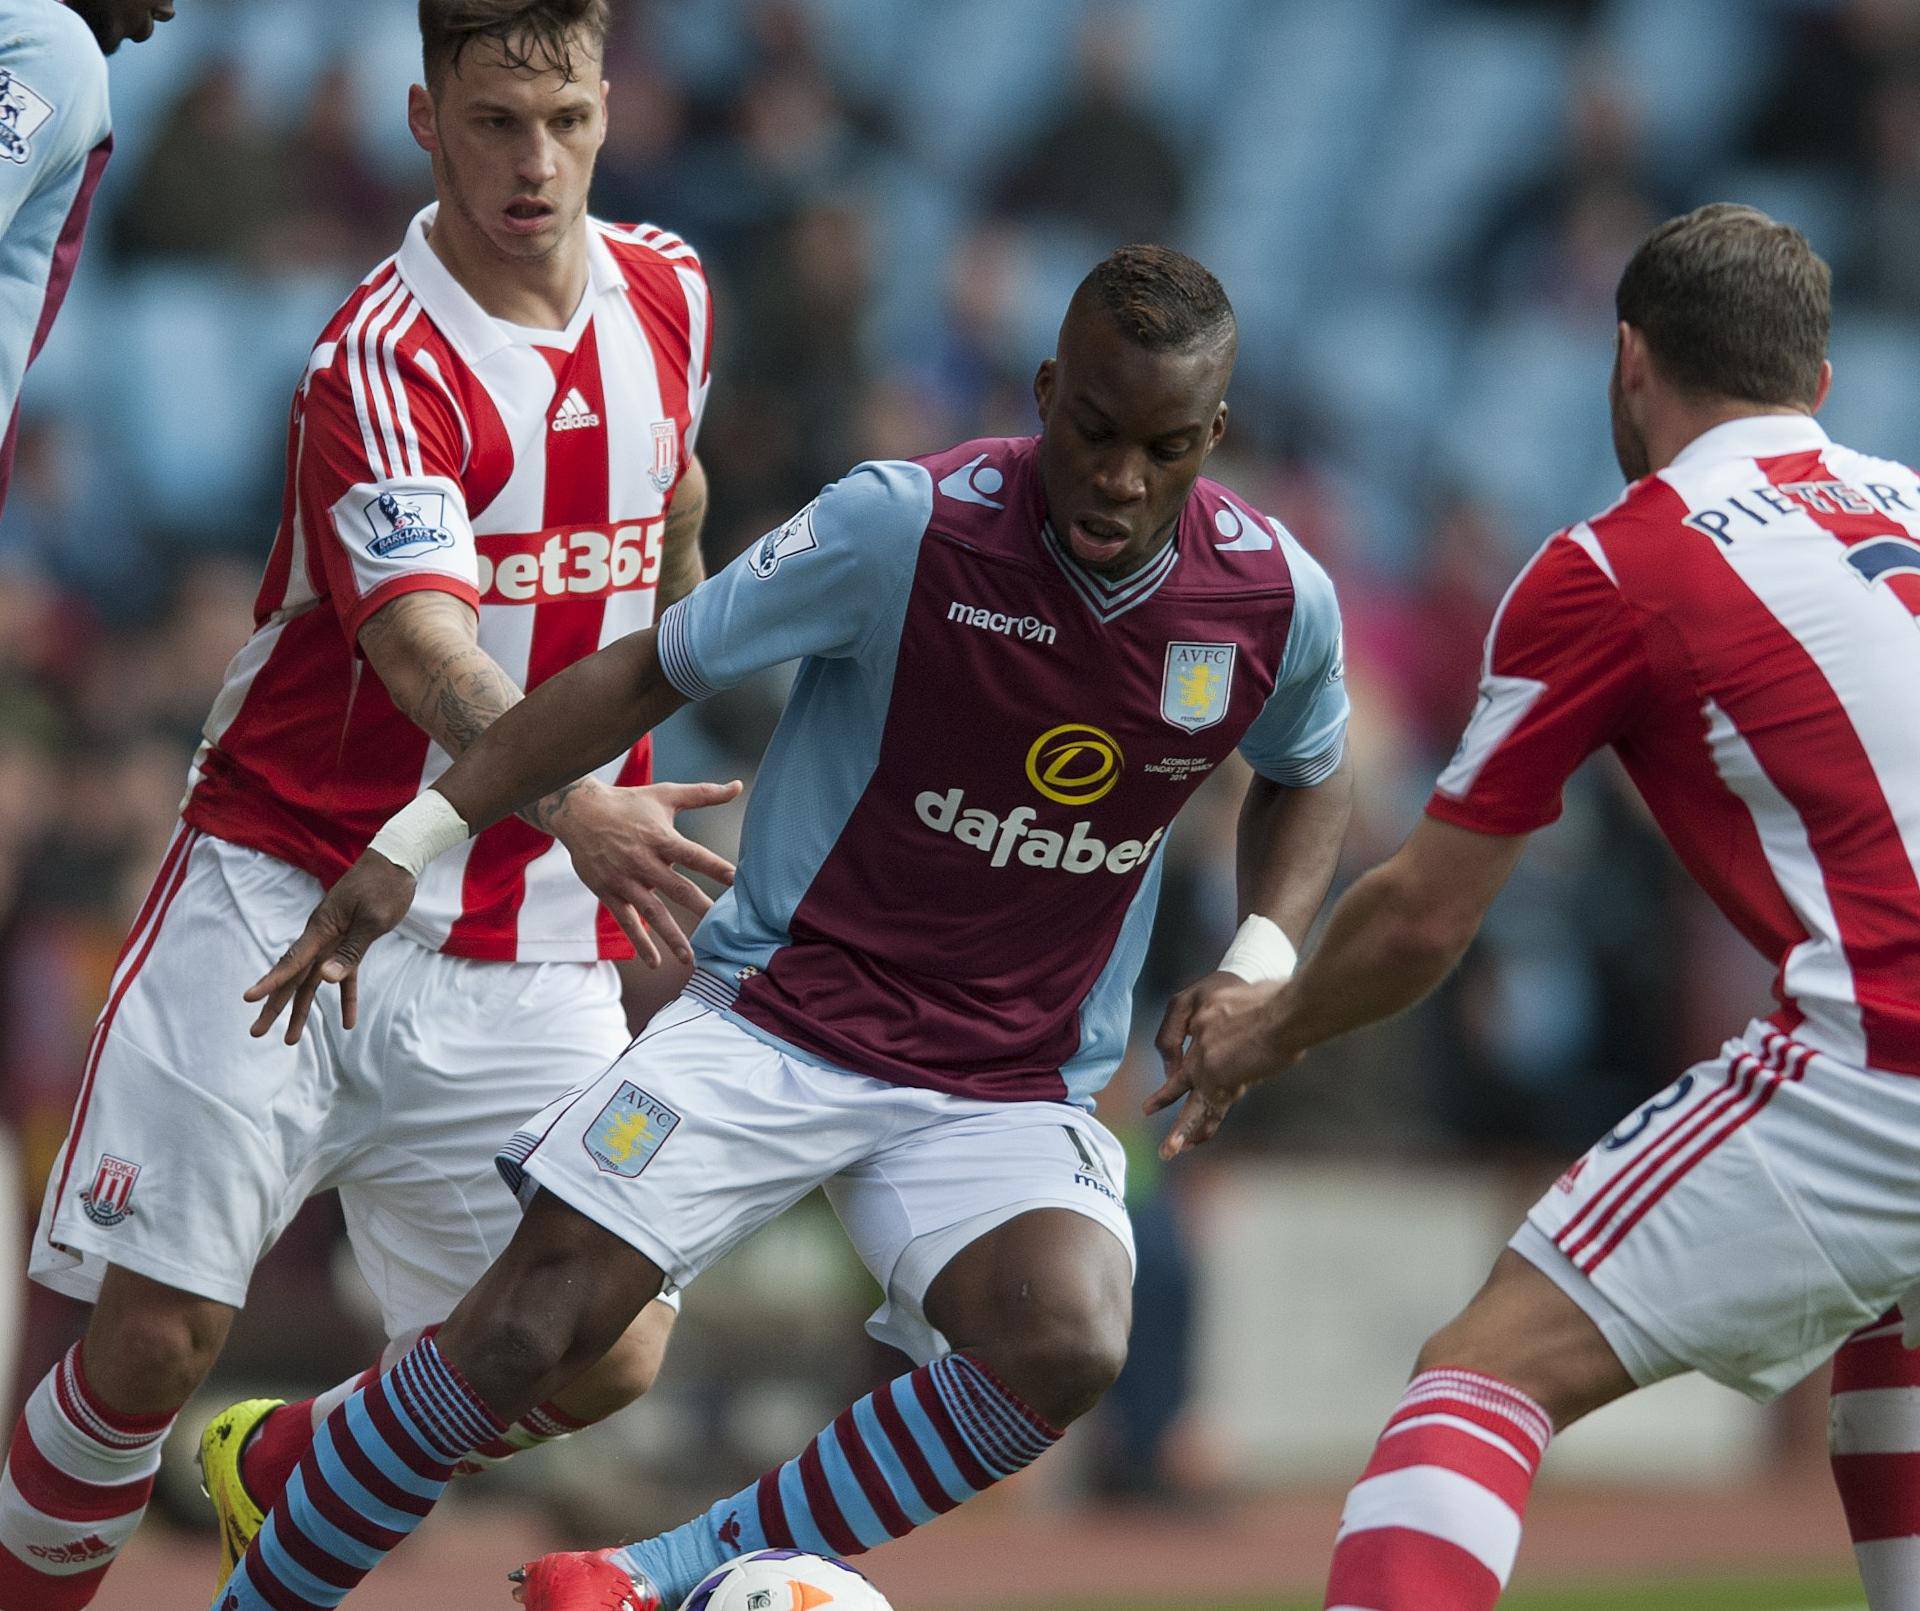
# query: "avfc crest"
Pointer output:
{"type": "Point", "coordinates": [107, 1200]}
{"type": "Point", "coordinates": [629, 1131]}
{"type": "Point", "coordinates": [1198, 683]}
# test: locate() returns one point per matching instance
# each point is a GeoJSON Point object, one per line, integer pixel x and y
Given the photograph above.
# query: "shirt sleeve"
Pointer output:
{"type": "Point", "coordinates": [1564, 671]}
{"type": "Point", "coordinates": [1301, 732]}
{"type": "Point", "coordinates": [380, 471]}
{"type": "Point", "coordinates": [53, 113]}
{"type": "Point", "coordinates": [818, 586]}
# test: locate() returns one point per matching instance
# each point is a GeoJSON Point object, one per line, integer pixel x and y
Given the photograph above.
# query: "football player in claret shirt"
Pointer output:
{"type": "Point", "coordinates": [56, 134]}
{"type": "Point", "coordinates": [1739, 628]}
{"type": "Point", "coordinates": [1018, 659]}
{"type": "Point", "coordinates": [490, 473]}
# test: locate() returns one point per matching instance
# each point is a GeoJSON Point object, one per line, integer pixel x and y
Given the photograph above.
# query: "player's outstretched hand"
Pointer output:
{"type": "Point", "coordinates": [627, 850]}
{"type": "Point", "coordinates": [371, 899]}
{"type": "Point", "coordinates": [1213, 1044]}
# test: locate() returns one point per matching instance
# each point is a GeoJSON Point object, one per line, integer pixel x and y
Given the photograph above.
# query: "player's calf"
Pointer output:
{"type": "Point", "coordinates": [1874, 1437]}
{"type": "Point", "coordinates": [554, 1303]}
{"type": "Point", "coordinates": [83, 1457]}
{"type": "Point", "coordinates": [1434, 1522]}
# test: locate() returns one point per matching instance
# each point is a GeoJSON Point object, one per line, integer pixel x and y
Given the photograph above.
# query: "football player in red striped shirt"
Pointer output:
{"type": "Point", "coordinates": [1740, 628]}
{"type": "Point", "coordinates": [490, 473]}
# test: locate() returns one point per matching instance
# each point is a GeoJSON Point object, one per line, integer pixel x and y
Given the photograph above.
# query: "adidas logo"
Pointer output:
{"type": "Point", "coordinates": [78, 1553]}
{"type": "Point", "coordinates": [574, 414]}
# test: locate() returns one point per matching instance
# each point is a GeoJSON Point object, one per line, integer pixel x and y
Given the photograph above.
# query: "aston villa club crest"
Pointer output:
{"type": "Point", "coordinates": [108, 1201]}
{"type": "Point", "coordinates": [1197, 684]}
{"type": "Point", "coordinates": [629, 1131]}
{"type": "Point", "coordinates": [666, 454]}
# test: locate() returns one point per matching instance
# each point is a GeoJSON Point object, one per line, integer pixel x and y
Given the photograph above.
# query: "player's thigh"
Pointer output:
{"type": "Point", "coordinates": [696, 1137]}
{"type": "Point", "coordinates": [1743, 1222]}
{"type": "Point", "coordinates": [457, 1055]}
{"type": "Point", "coordinates": [192, 1143]}
{"type": "Point", "coordinates": [960, 1175]}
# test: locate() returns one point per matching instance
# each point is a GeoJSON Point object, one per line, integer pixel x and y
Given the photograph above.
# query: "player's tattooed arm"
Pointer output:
{"type": "Point", "coordinates": [681, 567]}
{"type": "Point", "coordinates": [425, 647]}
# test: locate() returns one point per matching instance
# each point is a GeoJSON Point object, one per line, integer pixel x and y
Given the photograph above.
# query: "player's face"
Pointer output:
{"type": "Point", "coordinates": [116, 21]}
{"type": "Point", "coordinates": [513, 148]}
{"type": "Point", "coordinates": [1125, 432]}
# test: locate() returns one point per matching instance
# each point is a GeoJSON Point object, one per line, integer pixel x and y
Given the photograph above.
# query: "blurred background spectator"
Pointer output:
{"type": "Point", "coordinates": [1420, 209]}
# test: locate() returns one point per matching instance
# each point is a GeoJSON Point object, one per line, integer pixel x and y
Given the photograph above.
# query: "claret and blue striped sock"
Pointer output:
{"type": "Point", "coordinates": [374, 1471]}
{"type": "Point", "coordinates": [917, 1448]}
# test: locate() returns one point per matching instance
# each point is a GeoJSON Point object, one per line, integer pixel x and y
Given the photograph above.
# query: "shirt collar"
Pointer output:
{"type": "Point", "coordinates": [475, 334]}
{"type": "Point", "coordinates": [1754, 436]}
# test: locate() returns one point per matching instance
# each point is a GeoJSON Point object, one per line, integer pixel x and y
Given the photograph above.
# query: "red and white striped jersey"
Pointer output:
{"type": "Point", "coordinates": [1741, 629]}
{"type": "Point", "coordinates": [525, 471]}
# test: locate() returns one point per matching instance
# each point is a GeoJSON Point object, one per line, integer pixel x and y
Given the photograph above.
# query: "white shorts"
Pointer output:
{"type": "Point", "coordinates": [1744, 1221]}
{"type": "Point", "coordinates": [194, 1144]}
{"type": "Point", "coordinates": [702, 1132]}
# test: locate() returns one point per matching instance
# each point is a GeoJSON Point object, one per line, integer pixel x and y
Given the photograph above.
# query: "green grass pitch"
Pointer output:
{"type": "Point", "coordinates": [1825, 1594]}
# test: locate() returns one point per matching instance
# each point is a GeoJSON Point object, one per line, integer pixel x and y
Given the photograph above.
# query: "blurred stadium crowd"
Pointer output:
{"type": "Point", "coordinates": [1419, 208]}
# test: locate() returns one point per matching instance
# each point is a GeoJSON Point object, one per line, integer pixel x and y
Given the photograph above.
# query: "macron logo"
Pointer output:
{"type": "Point", "coordinates": [574, 414]}
{"type": "Point", "coordinates": [975, 482]}
{"type": "Point", "coordinates": [1027, 628]}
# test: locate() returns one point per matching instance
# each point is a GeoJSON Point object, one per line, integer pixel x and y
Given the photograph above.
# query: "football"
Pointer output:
{"type": "Point", "coordinates": [785, 1580]}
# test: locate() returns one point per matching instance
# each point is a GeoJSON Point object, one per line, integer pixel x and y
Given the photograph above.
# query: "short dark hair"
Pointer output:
{"type": "Point", "coordinates": [1732, 304]}
{"type": "Point", "coordinates": [533, 35]}
{"type": "Point", "coordinates": [1162, 300]}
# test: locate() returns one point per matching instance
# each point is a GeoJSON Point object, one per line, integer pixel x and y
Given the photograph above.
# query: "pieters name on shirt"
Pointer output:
{"type": "Point", "coordinates": [1001, 839]}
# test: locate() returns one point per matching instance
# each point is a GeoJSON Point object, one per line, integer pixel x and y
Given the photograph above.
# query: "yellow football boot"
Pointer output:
{"type": "Point", "coordinates": [219, 1460]}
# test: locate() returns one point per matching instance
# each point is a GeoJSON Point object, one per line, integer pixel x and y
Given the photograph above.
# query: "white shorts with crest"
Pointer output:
{"type": "Point", "coordinates": [701, 1133]}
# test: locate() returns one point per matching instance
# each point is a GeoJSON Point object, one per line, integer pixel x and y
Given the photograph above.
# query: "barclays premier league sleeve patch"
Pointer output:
{"type": "Point", "coordinates": [24, 111]}
{"type": "Point", "coordinates": [402, 524]}
{"type": "Point", "coordinates": [795, 537]}
{"type": "Point", "coordinates": [630, 1129]}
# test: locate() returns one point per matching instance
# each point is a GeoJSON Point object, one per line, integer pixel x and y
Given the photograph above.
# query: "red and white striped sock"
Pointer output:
{"type": "Point", "coordinates": [77, 1480]}
{"type": "Point", "coordinates": [1434, 1522]}
{"type": "Point", "coordinates": [1874, 1435]}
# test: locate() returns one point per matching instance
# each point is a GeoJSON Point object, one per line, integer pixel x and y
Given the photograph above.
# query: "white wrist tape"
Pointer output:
{"type": "Point", "coordinates": [420, 830]}
{"type": "Point", "coordinates": [1261, 953]}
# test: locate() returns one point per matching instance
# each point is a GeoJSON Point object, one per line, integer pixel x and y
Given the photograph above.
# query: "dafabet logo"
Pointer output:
{"type": "Point", "coordinates": [1074, 764]}
{"type": "Point", "coordinates": [1071, 765]}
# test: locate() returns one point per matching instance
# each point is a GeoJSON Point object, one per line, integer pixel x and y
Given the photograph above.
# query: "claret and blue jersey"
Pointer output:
{"type": "Point", "coordinates": [953, 853]}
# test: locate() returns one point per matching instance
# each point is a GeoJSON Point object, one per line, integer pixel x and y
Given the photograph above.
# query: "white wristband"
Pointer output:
{"type": "Point", "coordinates": [420, 830]}
{"type": "Point", "coordinates": [1261, 953]}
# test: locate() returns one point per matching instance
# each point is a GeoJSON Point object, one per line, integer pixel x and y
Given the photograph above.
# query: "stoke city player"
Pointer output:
{"type": "Point", "coordinates": [489, 475]}
{"type": "Point", "coordinates": [1740, 628]}
{"type": "Point", "coordinates": [1019, 658]}
{"type": "Point", "coordinates": [56, 133]}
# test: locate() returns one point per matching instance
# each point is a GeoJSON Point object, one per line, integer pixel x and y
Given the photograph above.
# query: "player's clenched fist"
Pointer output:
{"type": "Point", "coordinates": [370, 900]}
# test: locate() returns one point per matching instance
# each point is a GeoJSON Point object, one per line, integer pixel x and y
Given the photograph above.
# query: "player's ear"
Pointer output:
{"type": "Point", "coordinates": [1825, 386]}
{"type": "Point", "coordinates": [1043, 388]}
{"type": "Point", "coordinates": [605, 114]}
{"type": "Point", "coordinates": [1632, 358]}
{"type": "Point", "coordinates": [1216, 433]}
{"type": "Point", "coordinates": [423, 121]}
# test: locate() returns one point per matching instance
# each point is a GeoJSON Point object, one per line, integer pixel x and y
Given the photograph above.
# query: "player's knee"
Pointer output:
{"type": "Point", "coordinates": [626, 1372]}
{"type": "Point", "coordinates": [1062, 1367]}
{"type": "Point", "coordinates": [152, 1361]}
{"type": "Point", "coordinates": [512, 1355]}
